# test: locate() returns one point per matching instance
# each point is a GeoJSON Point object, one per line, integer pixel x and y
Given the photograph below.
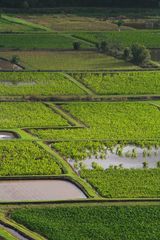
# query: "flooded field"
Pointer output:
{"type": "Point", "coordinates": [127, 157]}
{"type": "Point", "coordinates": [39, 190]}
{"type": "Point", "coordinates": [7, 135]}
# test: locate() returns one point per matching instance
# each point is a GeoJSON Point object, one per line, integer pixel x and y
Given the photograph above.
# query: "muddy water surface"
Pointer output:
{"type": "Point", "coordinates": [39, 190]}
{"type": "Point", "coordinates": [126, 160]}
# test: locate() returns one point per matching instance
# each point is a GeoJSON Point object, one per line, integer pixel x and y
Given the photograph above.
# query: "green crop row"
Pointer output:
{"type": "Point", "coordinates": [121, 83]}
{"type": "Point", "coordinates": [110, 121]}
{"type": "Point", "coordinates": [149, 38]}
{"type": "Point", "coordinates": [26, 158]}
{"type": "Point", "coordinates": [124, 183]}
{"type": "Point", "coordinates": [33, 84]}
{"type": "Point", "coordinates": [92, 222]}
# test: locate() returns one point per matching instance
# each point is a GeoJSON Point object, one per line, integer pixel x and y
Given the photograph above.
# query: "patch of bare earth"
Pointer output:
{"type": "Point", "coordinates": [6, 65]}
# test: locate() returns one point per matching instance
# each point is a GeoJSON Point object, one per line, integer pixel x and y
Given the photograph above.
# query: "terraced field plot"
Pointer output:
{"type": "Point", "coordinates": [39, 41]}
{"type": "Point", "coordinates": [150, 39]}
{"type": "Point", "coordinates": [68, 60]}
{"type": "Point", "coordinates": [26, 114]}
{"type": "Point", "coordinates": [124, 183]}
{"type": "Point", "coordinates": [79, 134]}
{"type": "Point", "coordinates": [98, 222]}
{"type": "Point", "coordinates": [37, 84]}
{"type": "Point", "coordinates": [22, 158]}
{"type": "Point", "coordinates": [136, 121]}
{"type": "Point", "coordinates": [70, 22]}
{"type": "Point", "coordinates": [121, 83]}
{"type": "Point", "coordinates": [11, 24]}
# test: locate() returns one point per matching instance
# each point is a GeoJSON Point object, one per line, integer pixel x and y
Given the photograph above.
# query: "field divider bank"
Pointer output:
{"type": "Point", "coordinates": [156, 105]}
{"type": "Point", "coordinates": [85, 40]}
{"type": "Point", "coordinates": [21, 21]}
{"type": "Point", "coordinates": [69, 172]}
{"type": "Point", "coordinates": [74, 37]}
{"type": "Point", "coordinates": [79, 84]}
{"type": "Point", "coordinates": [87, 201]}
{"type": "Point", "coordinates": [88, 98]}
{"type": "Point", "coordinates": [67, 116]}
{"type": "Point", "coordinates": [21, 231]}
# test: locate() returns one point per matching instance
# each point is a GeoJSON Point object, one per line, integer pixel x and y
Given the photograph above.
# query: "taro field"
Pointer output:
{"type": "Point", "coordinates": [79, 123]}
{"type": "Point", "coordinates": [94, 143]}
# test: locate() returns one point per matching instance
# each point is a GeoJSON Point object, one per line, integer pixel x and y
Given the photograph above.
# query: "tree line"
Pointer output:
{"type": "Point", "coordinates": [77, 3]}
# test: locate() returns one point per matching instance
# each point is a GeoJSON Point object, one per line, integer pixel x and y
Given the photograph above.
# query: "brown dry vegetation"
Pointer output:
{"type": "Point", "coordinates": [71, 22]}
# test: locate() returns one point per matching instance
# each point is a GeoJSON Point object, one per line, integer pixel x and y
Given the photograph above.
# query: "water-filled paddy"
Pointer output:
{"type": "Point", "coordinates": [38, 190]}
{"type": "Point", "coordinates": [126, 157]}
{"type": "Point", "coordinates": [7, 135]}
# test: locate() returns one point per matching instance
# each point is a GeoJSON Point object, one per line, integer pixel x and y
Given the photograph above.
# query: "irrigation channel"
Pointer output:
{"type": "Point", "coordinates": [39, 190]}
{"type": "Point", "coordinates": [13, 232]}
{"type": "Point", "coordinates": [7, 135]}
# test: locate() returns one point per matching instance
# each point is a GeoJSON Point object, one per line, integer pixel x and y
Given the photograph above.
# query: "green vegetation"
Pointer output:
{"type": "Point", "coordinates": [68, 60]}
{"type": "Point", "coordinates": [17, 227]}
{"type": "Point", "coordinates": [122, 183]}
{"type": "Point", "coordinates": [4, 235]}
{"type": "Point", "coordinates": [81, 150]}
{"type": "Point", "coordinates": [27, 114]}
{"type": "Point", "coordinates": [33, 84]}
{"type": "Point", "coordinates": [26, 158]}
{"type": "Point", "coordinates": [10, 24]}
{"type": "Point", "coordinates": [111, 121]}
{"type": "Point", "coordinates": [15, 24]}
{"type": "Point", "coordinates": [38, 41]}
{"type": "Point", "coordinates": [149, 38]}
{"type": "Point", "coordinates": [121, 83]}
{"type": "Point", "coordinates": [92, 222]}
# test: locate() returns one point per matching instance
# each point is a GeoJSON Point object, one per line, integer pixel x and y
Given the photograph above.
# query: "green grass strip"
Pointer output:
{"type": "Point", "coordinates": [72, 121]}
{"type": "Point", "coordinates": [4, 234]}
{"type": "Point", "coordinates": [69, 171]}
{"type": "Point", "coordinates": [25, 23]}
{"type": "Point", "coordinates": [79, 84]}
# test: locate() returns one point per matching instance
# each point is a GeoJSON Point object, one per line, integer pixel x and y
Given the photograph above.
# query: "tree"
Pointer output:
{"type": "Point", "coordinates": [15, 59]}
{"type": "Point", "coordinates": [25, 4]}
{"type": "Point", "coordinates": [76, 46]}
{"type": "Point", "coordinates": [140, 54]}
{"type": "Point", "coordinates": [119, 24]}
{"type": "Point", "coordinates": [127, 54]}
{"type": "Point", "coordinates": [103, 46]}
